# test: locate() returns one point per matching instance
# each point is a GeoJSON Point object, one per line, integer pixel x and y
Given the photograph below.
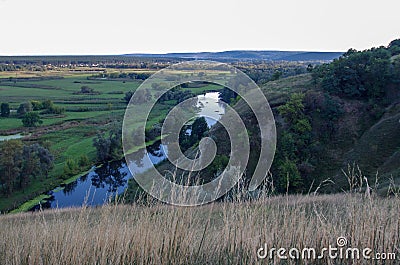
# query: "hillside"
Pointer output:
{"type": "Point", "coordinates": [217, 233]}
{"type": "Point", "coordinates": [360, 137]}
{"type": "Point", "coordinates": [348, 112]}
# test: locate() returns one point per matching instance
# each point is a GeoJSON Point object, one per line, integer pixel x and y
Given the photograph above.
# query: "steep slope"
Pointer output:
{"type": "Point", "coordinates": [363, 135]}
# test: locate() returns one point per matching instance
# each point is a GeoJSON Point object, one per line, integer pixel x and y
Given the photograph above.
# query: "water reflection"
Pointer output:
{"type": "Point", "coordinates": [69, 188]}
{"type": "Point", "coordinates": [96, 187]}
{"type": "Point", "coordinates": [109, 177]}
{"type": "Point", "coordinates": [210, 107]}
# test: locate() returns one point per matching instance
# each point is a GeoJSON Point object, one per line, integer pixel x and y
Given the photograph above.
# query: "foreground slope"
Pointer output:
{"type": "Point", "coordinates": [217, 233]}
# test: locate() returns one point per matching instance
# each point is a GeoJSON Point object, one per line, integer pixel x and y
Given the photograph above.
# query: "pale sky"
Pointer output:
{"type": "Point", "coordinates": [30, 27]}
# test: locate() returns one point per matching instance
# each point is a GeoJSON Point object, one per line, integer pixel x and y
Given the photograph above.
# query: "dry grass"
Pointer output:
{"type": "Point", "coordinates": [218, 233]}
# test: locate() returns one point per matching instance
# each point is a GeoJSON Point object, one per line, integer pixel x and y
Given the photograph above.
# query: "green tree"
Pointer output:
{"type": "Point", "coordinates": [199, 127]}
{"type": "Point", "coordinates": [289, 176]}
{"type": "Point", "coordinates": [287, 147]}
{"type": "Point", "coordinates": [54, 110]}
{"type": "Point", "coordinates": [47, 104]}
{"type": "Point", "coordinates": [102, 145]}
{"type": "Point", "coordinates": [38, 160]}
{"type": "Point", "coordinates": [394, 47]}
{"type": "Point", "coordinates": [20, 163]}
{"type": "Point", "coordinates": [30, 165]}
{"type": "Point", "coordinates": [109, 147]}
{"type": "Point", "coordinates": [45, 157]}
{"type": "Point", "coordinates": [128, 96]}
{"type": "Point", "coordinates": [356, 74]}
{"type": "Point", "coordinates": [109, 106]}
{"type": "Point", "coordinates": [31, 119]}
{"type": "Point", "coordinates": [217, 166]}
{"type": "Point", "coordinates": [141, 96]}
{"type": "Point", "coordinates": [293, 145]}
{"type": "Point", "coordinates": [10, 164]}
{"type": "Point", "coordinates": [5, 110]}
{"type": "Point", "coordinates": [276, 75]}
{"type": "Point", "coordinates": [24, 108]}
{"type": "Point", "coordinates": [36, 105]}
{"type": "Point", "coordinates": [227, 95]}
{"type": "Point", "coordinates": [293, 109]}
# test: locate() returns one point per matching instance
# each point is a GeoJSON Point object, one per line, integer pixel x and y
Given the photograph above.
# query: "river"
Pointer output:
{"type": "Point", "coordinates": [103, 183]}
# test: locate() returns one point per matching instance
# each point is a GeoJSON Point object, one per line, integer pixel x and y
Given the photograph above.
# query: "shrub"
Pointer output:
{"type": "Point", "coordinates": [83, 161]}
{"type": "Point", "coordinates": [31, 119]}
{"type": "Point", "coordinates": [36, 105]}
{"type": "Point", "coordinates": [70, 168]}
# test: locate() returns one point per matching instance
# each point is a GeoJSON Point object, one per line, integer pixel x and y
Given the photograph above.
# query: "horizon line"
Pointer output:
{"type": "Point", "coordinates": [160, 53]}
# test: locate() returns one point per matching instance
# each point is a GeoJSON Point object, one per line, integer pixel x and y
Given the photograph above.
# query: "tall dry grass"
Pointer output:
{"type": "Point", "coordinates": [217, 233]}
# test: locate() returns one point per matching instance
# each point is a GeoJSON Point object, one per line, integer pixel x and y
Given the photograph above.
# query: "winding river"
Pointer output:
{"type": "Point", "coordinates": [103, 183]}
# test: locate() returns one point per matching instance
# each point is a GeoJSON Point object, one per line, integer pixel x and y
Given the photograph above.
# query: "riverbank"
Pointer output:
{"type": "Point", "coordinates": [42, 198]}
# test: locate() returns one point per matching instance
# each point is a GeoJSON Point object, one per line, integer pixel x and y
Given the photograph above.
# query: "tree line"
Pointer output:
{"type": "Point", "coordinates": [29, 111]}
{"type": "Point", "coordinates": [361, 74]}
{"type": "Point", "coordinates": [21, 163]}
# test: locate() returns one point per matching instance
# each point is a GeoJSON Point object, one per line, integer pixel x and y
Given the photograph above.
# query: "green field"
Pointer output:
{"type": "Point", "coordinates": [65, 141]}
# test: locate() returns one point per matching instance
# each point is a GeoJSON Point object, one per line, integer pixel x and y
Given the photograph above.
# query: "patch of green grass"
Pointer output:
{"type": "Point", "coordinates": [74, 178]}
{"type": "Point", "coordinates": [31, 203]}
{"type": "Point", "coordinates": [10, 123]}
{"type": "Point", "coordinates": [72, 142]}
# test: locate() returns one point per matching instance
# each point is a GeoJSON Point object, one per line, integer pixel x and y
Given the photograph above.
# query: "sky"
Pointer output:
{"type": "Point", "coordinates": [58, 27]}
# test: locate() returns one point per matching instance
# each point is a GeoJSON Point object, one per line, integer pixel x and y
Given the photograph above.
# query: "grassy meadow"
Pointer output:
{"type": "Point", "coordinates": [217, 233]}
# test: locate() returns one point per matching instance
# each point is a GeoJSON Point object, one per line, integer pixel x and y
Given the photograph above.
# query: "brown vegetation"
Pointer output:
{"type": "Point", "coordinates": [217, 233]}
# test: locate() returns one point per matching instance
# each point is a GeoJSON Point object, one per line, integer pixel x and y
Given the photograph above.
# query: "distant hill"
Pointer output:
{"type": "Point", "coordinates": [248, 55]}
{"type": "Point", "coordinates": [312, 56]}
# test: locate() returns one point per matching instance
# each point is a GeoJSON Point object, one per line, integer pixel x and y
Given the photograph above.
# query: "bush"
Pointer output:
{"type": "Point", "coordinates": [36, 105]}
{"type": "Point", "coordinates": [70, 168]}
{"type": "Point", "coordinates": [31, 119]}
{"type": "Point", "coordinates": [86, 90]}
{"type": "Point", "coordinates": [54, 110]}
{"type": "Point", "coordinates": [83, 161]}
